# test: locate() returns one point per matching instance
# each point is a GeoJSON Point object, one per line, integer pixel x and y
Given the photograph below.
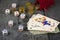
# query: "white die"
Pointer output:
{"type": "Point", "coordinates": [4, 31]}
{"type": "Point", "coordinates": [14, 5]}
{"type": "Point", "coordinates": [20, 27]}
{"type": "Point", "coordinates": [7, 11]}
{"type": "Point", "coordinates": [10, 23]}
{"type": "Point", "coordinates": [16, 13]}
{"type": "Point", "coordinates": [22, 16]}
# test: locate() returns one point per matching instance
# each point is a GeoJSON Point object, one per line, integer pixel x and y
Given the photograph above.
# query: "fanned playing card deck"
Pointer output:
{"type": "Point", "coordinates": [43, 23]}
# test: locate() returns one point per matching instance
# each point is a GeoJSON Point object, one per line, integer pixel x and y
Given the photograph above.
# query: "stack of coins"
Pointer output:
{"type": "Point", "coordinates": [30, 7]}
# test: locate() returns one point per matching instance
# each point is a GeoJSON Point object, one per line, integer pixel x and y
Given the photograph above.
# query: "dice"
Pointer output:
{"type": "Point", "coordinates": [16, 13]}
{"type": "Point", "coordinates": [7, 11]}
{"type": "Point", "coordinates": [20, 27]}
{"type": "Point", "coordinates": [5, 31]}
{"type": "Point", "coordinates": [10, 23]}
{"type": "Point", "coordinates": [14, 5]}
{"type": "Point", "coordinates": [22, 16]}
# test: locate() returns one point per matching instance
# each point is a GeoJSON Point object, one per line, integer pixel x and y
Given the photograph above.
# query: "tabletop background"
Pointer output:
{"type": "Point", "coordinates": [53, 12]}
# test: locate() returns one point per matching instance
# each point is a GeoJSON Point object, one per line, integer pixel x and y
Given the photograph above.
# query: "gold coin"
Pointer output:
{"type": "Point", "coordinates": [22, 10]}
